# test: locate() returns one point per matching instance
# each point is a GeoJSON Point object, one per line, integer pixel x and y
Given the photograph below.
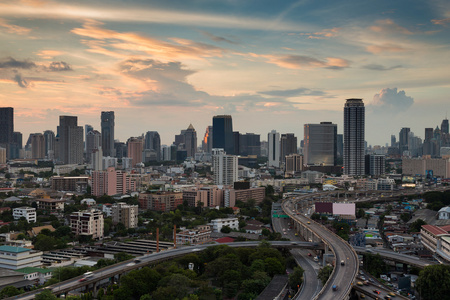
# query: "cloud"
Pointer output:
{"type": "Point", "coordinates": [442, 22]}
{"type": "Point", "coordinates": [20, 81]}
{"type": "Point", "coordinates": [10, 63]}
{"type": "Point", "coordinates": [305, 62]}
{"type": "Point", "coordinates": [389, 26]}
{"type": "Point", "coordinates": [391, 101]}
{"type": "Point", "coordinates": [217, 38]}
{"type": "Point", "coordinates": [13, 28]}
{"type": "Point", "coordinates": [386, 47]}
{"type": "Point", "coordinates": [110, 42]}
{"type": "Point", "coordinates": [49, 54]}
{"type": "Point", "coordinates": [376, 67]}
{"type": "Point", "coordinates": [326, 33]}
{"type": "Point", "coordinates": [58, 66]}
{"type": "Point", "coordinates": [293, 93]}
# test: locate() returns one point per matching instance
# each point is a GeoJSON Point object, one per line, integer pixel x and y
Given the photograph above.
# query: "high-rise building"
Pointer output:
{"type": "Point", "coordinates": [340, 145]}
{"type": "Point", "coordinates": [6, 128]}
{"type": "Point", "coordinates": [223, 133]}
{"type": "Point", "coordinates": [429, 143]}
{"type": "Point", "coordinates": [393, 140]}
{"type": "Point", "coordinates": [320, 144]}
{"type": "Point", "coordinates": [93, 143]}
{"type": "Point", "coordinates": [16, 145]}
{"type": "Point", "coordinates": [288, 144]}
{"type": "Point", "coordinates": [225, 167]}
{"type": "Point", "coordinates": [375, 164]}
{"type": "Point", "coordinates": [87, 222]}
{"type": "Point", "coordinates": [190, 141]}
{"type": "Point", "coordinates": [135, 148]}
{"type": "Point", "coordinates": [107, 125]}
{"type": "Point", "coordinates": [37, 145]}
{"type": "Point", "coordinates": [70, 142]}
{"type": "Point", "coordinates": [273, 149]}
{"type": "Point", "coordinates": [444, 126]}
{"type": "Point", "coordinates": [112, 182]}
{"type": "Point", "coordinates": [403, 137]}
{"type": "Point", "coordinates": [153, 142]}
{"type": "Point", "coordinates": [121, 149]}
{"type": "Point", "coordinates": [49, 137]}
{"type": "Point", "coordinates": [249, 144]}
{"type": "Point", "coordinates": [293, 163]}
{"type": "Point", "coordinates": [236, 143]}
{"type": "Point", "coordinates": [207, 140]}
{"type": "Point", "coordinates": [87, 128]}
{"type": "Point", "coordinates": [354, 125]}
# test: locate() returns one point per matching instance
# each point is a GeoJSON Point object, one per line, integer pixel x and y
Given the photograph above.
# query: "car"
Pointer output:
{"type": "Point", "coordinates": [362, 296]}
{"type": "Point", "coordinates": [387, 297]}
{"type": "Point", "coordinates": [376, 292]}
{"type": "Point", "coordinates": [82, 279]}
{"type": "Point", "coordinates": [309, 254]}
{"type": "Point", "coordinates": [359, 283]}
{"type": "Point", "coordinates": [137, 260]}
{"type": "Point", "coordinates": [308, 222]}
{"type": "Point", "coordinates": [392, 294]}
{"type": "Point", "coordinates": [335, 288]}
{"type": "Point", "coordinates": [366, 282]}
{"type": "Point", "coordinates": [342, 263]}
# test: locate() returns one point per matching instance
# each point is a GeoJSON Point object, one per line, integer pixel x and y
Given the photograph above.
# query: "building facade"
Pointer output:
{"type": "Point", "coordinates": [125, 214]}
{"type": "Point", "coordinates": [6, 128]}
{"type": "Point", "coordinates": [223, 133]}
{"type": "Point", "coordinates": [153, 142]}
{"type": "Point", "coordinates": [13, 258]}
{"type": "Point", "coordinates": [107, 122]}
{"type": "Point", "coordinates": [112, 182]}
{"type": "Point", "coordinates": [225, 167]}
{"type": "Point", "coordinates": [274, 148]}
{"type": "Point", "coordinates": [87, 222]}
{"type": "Point", "coordinates": [29, 213]}
{"type": "Point", "coordinates": [160, 201]}
{"type": "Point", "coordinates": [70, 140]}
{"type": "Point", "coordinates": [320, 144]}
{"type": "Point", "coordinates": [354, 133]}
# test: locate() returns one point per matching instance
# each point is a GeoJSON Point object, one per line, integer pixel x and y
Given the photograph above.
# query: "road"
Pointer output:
{"type": "Point", "coordinates": [343, 275]}
{"type": "Point", "coordinates": [311, 284]}
{"type": "Point", "coordinates": [398, 257]}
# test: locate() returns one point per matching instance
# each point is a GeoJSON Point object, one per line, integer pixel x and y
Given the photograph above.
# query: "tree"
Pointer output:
{"type": "Point", "coordinates": [417, 225]}
{"type": "Point", "coordinates": [45, 243]}
{"type": "Point", "coordinates": [45, 295]}
{"type": "Point", "coordinates": [296, 278]}
{"type": "Point", "coordinates": [375, 264]}
{"type": "Point", "coordinates": [225, 229]}
{"type": "Point", "coordinates": [360, 213]}
{"type": "Point", "coordinates": [434, 282]}
{"type": "Point", "coordinates": [122, 256]}
{"type": "Point", "coordinates": [9, 291]}
{"type": "Point", "coordinates": [324, 274]}
{"type": "Point", "coordinates": [405, 217]}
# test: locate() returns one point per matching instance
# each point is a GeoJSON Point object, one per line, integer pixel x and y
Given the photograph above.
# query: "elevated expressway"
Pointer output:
{"type": "Point", "coordinates": [343, 276]}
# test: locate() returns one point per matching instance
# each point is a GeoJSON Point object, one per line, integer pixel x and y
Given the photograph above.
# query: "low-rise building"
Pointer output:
{"type": "Point", "coordinates": [88, 222]}
{"type": "Point", "coordinates": [444, 213]}
{"type": "Point", "coordinates": [125, 214]}
{"type": "Point", "coordinates": [199, 235]}
{"type": "Point", "coordinates": [160, 201]}
{"type": "Point", "coordinates": [50, 206]}
{"type": "Point", "coordinates": [38, 275]}
{"type": "Point", "coordinates": [436, 239]}
{"type": "Point", "coordinates": [29, 213]}
{"type": "Point", "coordinates": [14, 258]}
{"type": "Point", "coordinates": [217, 224]}
{"type": "Point", "coordinates": [70, 183]}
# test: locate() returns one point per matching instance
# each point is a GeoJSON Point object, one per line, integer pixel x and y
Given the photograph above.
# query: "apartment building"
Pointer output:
{"type": "Point", "coordinates": [87, 222]}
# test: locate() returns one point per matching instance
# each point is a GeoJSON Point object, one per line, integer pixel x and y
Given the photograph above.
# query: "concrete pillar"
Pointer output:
{"type": "Point", "coordinates": [95, 289]}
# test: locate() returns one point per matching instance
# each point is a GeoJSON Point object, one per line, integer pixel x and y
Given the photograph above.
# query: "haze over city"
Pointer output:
{"type": "Point", "coordinates": [271, 65]}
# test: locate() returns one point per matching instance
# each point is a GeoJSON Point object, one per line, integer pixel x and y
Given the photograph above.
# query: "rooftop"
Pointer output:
{"type": "Point", "coordinates": [13, 249]}
{"type": "Point", "coordinates": [29, 270]}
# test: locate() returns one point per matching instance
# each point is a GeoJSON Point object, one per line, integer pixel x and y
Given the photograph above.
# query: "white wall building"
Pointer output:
{"type": "Point", "coordinates": [444, 213]}
{"type": "Point", "coordinates": [88, 222]}
{"type": "Point", "coordinates": [217, 224]}
{"type": "Point", "coordinates": [28, 212]}
{"type": "Point", "coordinates": [225, 167]}
{"type": "Point", "coordinates": [274, 149]}
{"type": "Point", "coordinates": [14, 258]}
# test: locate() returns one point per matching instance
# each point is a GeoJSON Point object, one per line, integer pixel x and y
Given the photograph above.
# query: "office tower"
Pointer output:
{"type": "Point", "coordinates": [70, 142]}
{"type": "Point", "coordinates": [2, 155]}
{"type": "Point", "coordinates": [264, 149]}
{"type": "Point", "coordinates": [190, 141]}
{"type": "Point", "coordinates": [223, 133]}
{"type": "Point", "coordinates": [207, 140]}
{"type": "Point", "coordinates": [121, 149]}
{"type": "Point", "coordinates": [87, 128]}
{"type": "Point", "coordinates": [49, 139]}
{"type": "Point", "coordinates": [153, 143]}
{"type": "Point", "coordinates": [288, 144]}
{"type": "Point", "coordinates": [6, 128]}
{"type": "Point", "coordinates": [273, 149]}
{"type": "Point", "coordinates": [107, 125]}
{"type": "Point", "coordinates": [236, 143]}
{"type": "Point", "coordinates": [354, 123]}
{"type": "Point", "coordinates": [444, 126]}
{"type": "Point", "coordinates": [340, 145]}
{"type": "Point", "coordinates": [37, 145]}
{"type": "Point", "coordinates": [225, 167]}
{"type": "Point", "coordinates": [293, 163]}
{"type": "Point", "coordinates": [414, 145]}
{"type": "Point", "coordinates": [249, 144]}
{"type": "Point", "coordinates": [93, 143]}
{"type": "Point", "coordinates": [135, 148]}
{"type": "Point", "coordinates": [16, 145]}
{"type": "Point", "coordinates": [403, 139]}
{"type": "Point", "coordinates": [166, 153]}
{"type": "Point", "coordinates": [320, 144]}
{"type": "Point", "coordinates": [393, 140]}
{"type": "Point", "coordinates": [375, 165]}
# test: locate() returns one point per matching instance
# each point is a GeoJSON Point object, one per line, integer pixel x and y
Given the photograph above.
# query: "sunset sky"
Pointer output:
{"type": "Point", "coordinates": [161, 65]}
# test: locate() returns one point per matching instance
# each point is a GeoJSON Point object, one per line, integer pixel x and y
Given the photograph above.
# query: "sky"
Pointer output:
{"type": "Point", "coordinates": [162, 65]}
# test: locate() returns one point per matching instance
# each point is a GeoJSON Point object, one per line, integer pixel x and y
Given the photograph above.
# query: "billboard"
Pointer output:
{"type": "Point", "coordinates": [408, 179]}
{"type": "Point", "coordinates": [324, 207]}
{"type": "Point", "coordinates": [344, 209]}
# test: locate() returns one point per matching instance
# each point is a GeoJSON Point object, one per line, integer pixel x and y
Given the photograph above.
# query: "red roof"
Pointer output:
{"type": "Point", "coordinates": [225, 240]}
{"type": "Point", "coordinates": [446, 228]}
{"type": "Point", "coordinates": [434, 229]}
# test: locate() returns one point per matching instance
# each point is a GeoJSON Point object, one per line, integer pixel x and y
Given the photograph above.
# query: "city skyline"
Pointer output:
{"type": "Point", "coordinates": [161, 66]}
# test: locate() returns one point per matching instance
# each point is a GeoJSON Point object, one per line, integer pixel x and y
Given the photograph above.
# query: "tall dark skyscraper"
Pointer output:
{"type": "Point", "coordinates": [403, 137]}
{"type": "Point", "coordinates": [444, 126]}
{"type": "Point", "coordinates": [70, 140]}
{"type": "Point", "coordinates": [340, 145]}
{"type": "Point", "coordinates": [153, 142]}
{"type": "Point", "coordinates": [223, 133]}
{"type": "Point", "coordinates": [236, 144]}
{"type": "Point", "coordinates": [49, 137]}
{"type": "Point", "coordinates": [393, 140]}
{"type": "Point", "coordinates": [288, 144]}
{"type": "Point", "coordinates": [354, 124]}
{"type": "Point", "coordinates": [107, 127]}
{"type": "Point", "coordinates": [6, 128]}
{"type": "Point", "coordinates": [320, 144]}
{"type": "Point", "coordinates": [249, 144]}
{"type": "Point", "coordinates": [16, 145]}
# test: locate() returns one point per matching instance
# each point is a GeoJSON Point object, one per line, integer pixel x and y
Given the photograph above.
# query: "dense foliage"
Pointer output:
{"type": "Point", "coordinates": [375, 265]}
{"type": "Point", "coordinates": [434, 282]}
{"type": "Point", "coordinates": [437, 200]}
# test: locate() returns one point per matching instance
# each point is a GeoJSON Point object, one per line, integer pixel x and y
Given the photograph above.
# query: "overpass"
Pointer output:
{"type": "Point", "coordinates": [150, 259]}
{"type": "Point", "coordinates": [396, 257]}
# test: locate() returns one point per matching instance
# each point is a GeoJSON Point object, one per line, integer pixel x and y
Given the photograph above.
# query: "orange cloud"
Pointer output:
{"type": "Point", "coordinates": [304, 62]}
{"type": "Point", "coordinates": [49, 54]}
{"type": "Point", "coordinates": [387, 47]}
{"type": "Point", "coordinates": [442, 22]}
{"type": "Point", "coordinates": [389, 26]}
{"type": "Point", "coordinates": [134, 43]}
{"type": "Point", "coordinates": [14, 28]}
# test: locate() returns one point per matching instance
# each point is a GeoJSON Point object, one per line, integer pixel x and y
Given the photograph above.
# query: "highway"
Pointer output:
{"type": "Point", "coordinates": [150, 259]}
{"type": "Point", "coordinates": [343, 275]}
{"type": "Point", "coordinates": [398, 257]}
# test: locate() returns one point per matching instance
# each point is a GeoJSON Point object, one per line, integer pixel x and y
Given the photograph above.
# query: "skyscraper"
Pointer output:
{"type": "Point", "coordinates": [107, 125]}
{"type": "Point", "coordinates": [93, 143]}
{"type": "Point", "coordinates": [6, 128]}
{"type": "Point", "coordinates": [87, 129]}
{"type": "Point", "coordinates": [354, 123]}
{"type": "Point", "coordinates": [274, 149]}
{"type": "Point", "coordinates": [153, 142]}
{"type": "Point", "coordinates": [207, 140]}
{"type": "Point", "coordinates": [37, 145]}
{"type": "Point", "coordinates": [288, 144]}
{"type": "Point", "coordinates": [444, 126]}
{"type": "Point", "coordinates": [393, 140]}
{"type": "Point", "coordinates": [225, 167]}
{"type": "Point", "coordinates": [320, 144]}
{"type": "Point", "coordinates": [49, 138]}
{"type": "Point", "coordinates": [403, 139]}
{"type": "Point", "coordinates": [186, 141]}
{"type": "Point", "coordinates": [16, 145]}
{"type": "Point", "coordinates": [135, 148]}
{"type": "Point", "coordinates": [70, 140]}
{"type": "Point", "coordinates": [249, 144]}
{"type": "Point", "coordinates": [223, 133]}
